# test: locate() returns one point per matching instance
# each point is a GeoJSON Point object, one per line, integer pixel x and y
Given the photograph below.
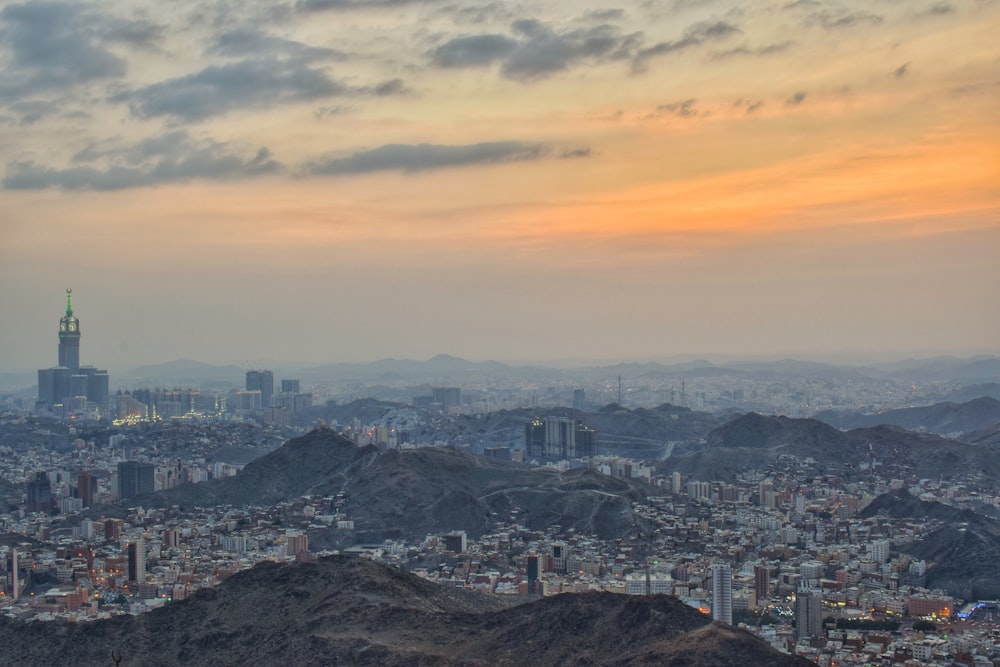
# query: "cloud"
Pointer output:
{"type": "Point", "coordinates": [33, 111]}
{"type": "Point", "coordinates": [426, 157]}
{"type": "Point", "coordinates": [339, 110]}
{"type": "Point", "coordinates": [768, 50]}
{"type": "Point", "coordinates": [831, 19]}
{"type": "Point", "coordinates": [251, 42]}
{"type": "Point", "coordinates": [257, 83]}
{"type": "Point", "coordinates": [604, 15]}
{"type": "Point", "coordinates": [473, 51]}
{"type": "Point", "coordinates": [901, 71]}
{"type": "Point", "coordinates": [748, 105]}
{"type": "Point", "coordinates": [796, 99]}
{"type": "Point", "coordinates": [323, 5]}
{"type": "Point", "coordinates": [545, 52]}
{"type": "Point", "coordinates": [169, 158]}
{"type": "Point", "coordinates": [684, 109]}
{"type": "Point", "coordinates": [536, 50]}
{"type": "Point", "coordinates": [939, 9]}
{"type": "Point", "coordinates": [53, 46]}
{"type": "Point", "coordinates": [694, 35]}
{"type": "Point", "coordinates": [390, 87]}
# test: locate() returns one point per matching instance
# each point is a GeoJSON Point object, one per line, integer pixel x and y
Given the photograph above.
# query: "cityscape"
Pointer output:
{"type": "Point", "coordinates": [814, 558]}
{"type": "Point", "coordinates": [401, 333]}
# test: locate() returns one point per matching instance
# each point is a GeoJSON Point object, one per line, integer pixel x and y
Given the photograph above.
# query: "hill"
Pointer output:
{"type": "Point", "coordinates": [349, 611]}
{"type": "Point", "coordinates": [941, 418]}
{"type": "Point", "coordinates": [756, 441]}
{"type": "Point", "coordinates": [961, 555]}
{"type": "Point", "coordinates": [409, 493]}
{"type": "Point", "coordinates": [640, 433]}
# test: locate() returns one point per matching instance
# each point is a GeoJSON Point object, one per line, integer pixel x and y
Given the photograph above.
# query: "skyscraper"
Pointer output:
{"type": "Point", "coordinates": [135, 479]}
{"type": "Point", "coordinates": [13, 582]}
{"type": "Point", "coordinates": [69, 336]}
{"type": "Point", "coordinates": [808, 614]}
{"type": "Point", "coordinates": [262, 381]}
{"type": "Point", "coordinates": [533, 568]}
{"type": "Point", "coordinates": [69, 385]}
{"type": "Point", "coordinates": [40, 493]}
{"type": "Point", "coordinates": [722, 593]}
{"type": "Point", "coordinates": [761, 582]}
{"type": "Point", "coordinates": [137, 561]}
{"type": "Point", "coordinates": [86, 489]}
{"type": "Point", "coordinates": [559, 438]}
{"type": "Point", "coordinates": [534, 439]}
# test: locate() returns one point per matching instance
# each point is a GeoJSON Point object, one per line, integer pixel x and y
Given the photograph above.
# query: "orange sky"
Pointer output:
{"type": "Point", "coordinates": [317, 182]}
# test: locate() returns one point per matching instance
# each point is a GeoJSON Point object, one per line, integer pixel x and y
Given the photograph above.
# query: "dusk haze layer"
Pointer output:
{"type": "Point", "coordinates": [341, 180]}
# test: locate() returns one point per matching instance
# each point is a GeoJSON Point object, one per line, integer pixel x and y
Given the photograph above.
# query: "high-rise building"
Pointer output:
{"type": "Point", "coordinates": [448, 398]}
{"type": "Point", "coordinates": [879, 550]}
{"type": "Point", "coordinates": [262, 381]}
{"type": "Point", "coordinates": [13, 576]}
{"type": "Point", "coordinates": [808, 614]}
{"type": "Point", "coordinates": [289, 386]}
{"type": "Point", "coordinates": [70, 387]}
{"type": "Point", "coordinates": [534, 439]}
{"type": "Point", "coordinates": [137, 561]}
{"type": "Point", "coordinates": [13, 579]}
{"type": "Point", "coordinates": [586, 443]}
{"type": "Point", "coordinates": [722, 593]}
{"type": "Point", "coordinates": [455, 541]}
{"type": "Point", "coordinates": [69, 336]}
{"type": "Point", "coordinates": [534, 568]}
{"type": "Point", "coordinates": [135, 479]}
{"type": "Point", "coordinates": [579, 399]}
{"type": "Point", "coordinates": [559, 438]}
{"type": "Point", "coordinates": [86, 489]}
{"type": "Point", "coordinates": [761, 582]}
{"type": "Point", "coordinates": [40, 493]}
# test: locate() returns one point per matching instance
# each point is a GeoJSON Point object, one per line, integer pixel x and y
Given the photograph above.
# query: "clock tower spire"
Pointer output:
{"type": "Point", "coordinates": [69, 336]}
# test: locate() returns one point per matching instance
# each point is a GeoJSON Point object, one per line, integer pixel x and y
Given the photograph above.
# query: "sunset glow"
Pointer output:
{"type": "Point", "coordinates": [365, 179]}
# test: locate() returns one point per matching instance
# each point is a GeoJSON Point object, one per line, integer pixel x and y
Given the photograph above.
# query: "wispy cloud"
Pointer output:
{"type": "Point", "coordinates": [693, 36]}
{"type": "Point", "coordinates": [426, 157]}
{"type": "Point", "coordinates": [168, 158]}
{"type": "Point", "coordinates": [257, 83]}
{"type": "Point", "coordinates": [55, 46]}
{"type": "Point", "coordinates": [536, 50]}
{"type": "Point", "coordinates": [796, 99]}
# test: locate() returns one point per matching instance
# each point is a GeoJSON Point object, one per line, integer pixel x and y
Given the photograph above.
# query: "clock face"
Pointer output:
{"type": "Point", "coordinates": [62, 326]}
{"type": "Point", "coordinates": [72, 326]}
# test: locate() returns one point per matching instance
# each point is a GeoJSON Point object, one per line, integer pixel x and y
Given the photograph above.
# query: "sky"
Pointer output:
{"type": "Point", "coordinates": [350, 180]}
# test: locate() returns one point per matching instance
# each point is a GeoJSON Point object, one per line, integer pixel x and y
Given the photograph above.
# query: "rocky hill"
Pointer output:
{"type": "Point", "coordinates": [409, 493]}
{"type": "Point", "coordinates": [941, 418]}
{"type": "Point", "coordinates": [961, 555]}
{"type": "Point", "coordinates": [756, 441]}
{"type": "Point", "coordinates": [350, 611]}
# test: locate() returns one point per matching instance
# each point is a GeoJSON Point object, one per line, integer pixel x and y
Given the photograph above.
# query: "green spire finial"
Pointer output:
{"type": "Point", "coordinates": [69, 301]}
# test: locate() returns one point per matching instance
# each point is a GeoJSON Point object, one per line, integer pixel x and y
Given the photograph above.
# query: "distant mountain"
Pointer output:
{"type": "Point", "coordinates": [410, 493]}
{"type": "Point", "coordinates": [440, 364]}
{"type": "Point", "coordinates": [940, 418]}
{"type": "Point", "coordinates": [961, 555]}
{"type": "Point", "coordinates": [973, 391]}
{"type": "Point", "coordinates": [755, 441]}
{"type": "Point", "coordinates": [183, 373]}
{"type": "Point", "coordinates": [351, 611]}
{"type": "Point", "coordinates": [974, 369]}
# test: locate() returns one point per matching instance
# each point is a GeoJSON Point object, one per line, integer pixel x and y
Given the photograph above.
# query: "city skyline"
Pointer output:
{"type": "Point", "coordinates": [519, 182]}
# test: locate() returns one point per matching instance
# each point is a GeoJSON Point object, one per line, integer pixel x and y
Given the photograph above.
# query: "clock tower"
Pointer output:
{"type": "Point", "coordinates": [69, 336]}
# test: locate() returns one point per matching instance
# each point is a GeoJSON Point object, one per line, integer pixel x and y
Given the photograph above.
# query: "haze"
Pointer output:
{"type": "Point", "coordinates": [335, 180]}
